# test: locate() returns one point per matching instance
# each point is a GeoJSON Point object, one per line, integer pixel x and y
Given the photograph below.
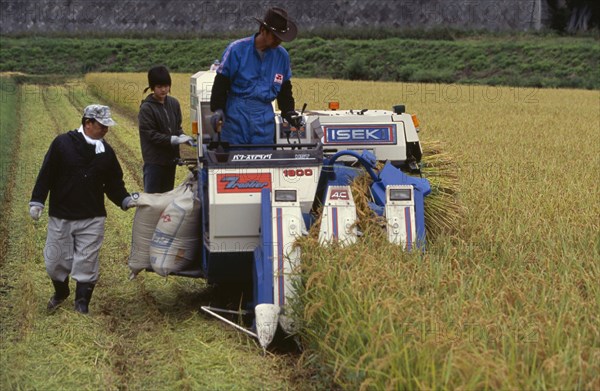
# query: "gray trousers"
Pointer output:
{"type": "Point", "coordinates": [72, 247]}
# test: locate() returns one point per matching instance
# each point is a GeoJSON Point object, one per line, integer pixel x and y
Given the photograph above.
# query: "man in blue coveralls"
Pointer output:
{"type": "Point", "coordinates": [253, 72]}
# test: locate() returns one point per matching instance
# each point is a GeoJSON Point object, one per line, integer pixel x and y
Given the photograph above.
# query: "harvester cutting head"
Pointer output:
{"type": "Point", "coordinates": [258, 201]}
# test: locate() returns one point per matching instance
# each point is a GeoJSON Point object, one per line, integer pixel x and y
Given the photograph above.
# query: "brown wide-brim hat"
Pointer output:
{"type": "Point", "coordinates": [276, 19]}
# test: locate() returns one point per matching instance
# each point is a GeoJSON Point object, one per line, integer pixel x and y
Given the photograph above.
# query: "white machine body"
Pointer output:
{"type": "Point", "coordinates": [400, 215]}
{"type": "Point", "coordinates": [235, 197]}
{"type": "Point", "coordinates": [287, 226]}
{"type": "Point", "coordinates": [200, 91]}
{"type": "Point", "coordinates": [338, 220]}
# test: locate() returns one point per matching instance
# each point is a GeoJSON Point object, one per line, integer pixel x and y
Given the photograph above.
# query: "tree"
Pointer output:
{"type": "Point", "coordinates": [574, 15]}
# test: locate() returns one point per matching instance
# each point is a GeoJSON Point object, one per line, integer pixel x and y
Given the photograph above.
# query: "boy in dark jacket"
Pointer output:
{"type": "Point", "coordinates": [78, 169]}
{"type": "Point", "coordinates": [160, 132]}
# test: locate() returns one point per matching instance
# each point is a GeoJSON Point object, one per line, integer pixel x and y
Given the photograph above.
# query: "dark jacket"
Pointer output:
{"type": "Point", "coordinates": [157, 123]}
{"type": "Point", "coordinates": [77, 178]}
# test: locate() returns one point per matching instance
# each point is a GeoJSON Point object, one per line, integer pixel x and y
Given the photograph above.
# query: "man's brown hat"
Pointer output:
{"type": "Point", "coordinates": [276, 19]}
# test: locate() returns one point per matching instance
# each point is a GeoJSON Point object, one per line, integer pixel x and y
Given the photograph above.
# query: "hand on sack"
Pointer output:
{"type": "Point", "coordinates": [217, 120]}
{"type": "Point", "coordinates": [35, 210]}
{"type": "Point", "coordinates": [294, 119]}
{"type": "Point", "coordinates": [130, 201]}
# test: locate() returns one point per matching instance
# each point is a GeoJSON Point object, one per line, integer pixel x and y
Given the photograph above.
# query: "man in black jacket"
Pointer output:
{"type": "Point", "coordinates": [159, 121]}
{"type": "Point", "coordinates": [78, 169]}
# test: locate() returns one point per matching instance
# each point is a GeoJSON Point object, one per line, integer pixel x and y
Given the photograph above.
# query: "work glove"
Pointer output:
{"type": "Point", "coordinates": [294, 119]}
{"type": "Point", "coordinates": [182, 139]}
{"type": "Point", "coordinates": [185, 139]}
{"type": "Point", "coordinates": [217, 119]}
{"type": "Point", "coordinates": [35, 210]}
{"type": "Point", "coordinates": [130, 201]}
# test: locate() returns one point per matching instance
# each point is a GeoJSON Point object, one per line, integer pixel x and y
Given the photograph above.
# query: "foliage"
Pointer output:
{"type": "Point", "coordinates": [574, 15]}
{"type": "Point", "coordinates": [529, 61]}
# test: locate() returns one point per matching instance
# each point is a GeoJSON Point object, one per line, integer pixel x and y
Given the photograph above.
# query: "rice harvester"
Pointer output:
{"type": "Point", "coordinates": [257, 200]}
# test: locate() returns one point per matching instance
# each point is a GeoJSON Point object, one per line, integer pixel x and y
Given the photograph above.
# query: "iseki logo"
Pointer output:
{"type": "Point", "coordinates": [360, 135]}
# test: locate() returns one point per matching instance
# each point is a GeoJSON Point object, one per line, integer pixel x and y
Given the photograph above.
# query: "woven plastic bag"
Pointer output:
{"type": "Point", "coordinates": [176, 240]}
{"type": "Point", "coordinates": [149, 208]}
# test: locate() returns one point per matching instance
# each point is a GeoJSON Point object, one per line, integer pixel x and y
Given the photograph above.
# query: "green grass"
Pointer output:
{"type": "Point", "coordinates": [8, 131]}
{"type": "Point", "coordinates": [9, 143]}
{"type": "Point", "coordinates": [522, 60]}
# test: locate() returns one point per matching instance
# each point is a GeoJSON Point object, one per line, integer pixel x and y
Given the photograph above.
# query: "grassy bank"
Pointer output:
{"type": "Point", "coordinates": [494, 60]}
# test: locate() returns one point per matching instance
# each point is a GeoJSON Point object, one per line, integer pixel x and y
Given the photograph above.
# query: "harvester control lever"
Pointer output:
{"type": "Point", "coordinates": [294, 119]}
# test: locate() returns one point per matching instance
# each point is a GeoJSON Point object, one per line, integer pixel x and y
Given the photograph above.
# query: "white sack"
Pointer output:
{"type": "Point", "coordinates": [176, 240]}
{"type": "Point", "coordinates": [148, 211]}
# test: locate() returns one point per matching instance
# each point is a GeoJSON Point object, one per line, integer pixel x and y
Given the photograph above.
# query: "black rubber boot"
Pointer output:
{"type": "Point", "coordinates": [61, 292]}
{"type": "Point", "coordinates": [83, 295]}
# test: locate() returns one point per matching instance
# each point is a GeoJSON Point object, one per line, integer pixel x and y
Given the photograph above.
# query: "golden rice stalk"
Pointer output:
{"type": "Point", "coordinates": [442, 208]}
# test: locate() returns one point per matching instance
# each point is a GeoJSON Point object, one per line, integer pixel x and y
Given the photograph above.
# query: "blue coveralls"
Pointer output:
{"type": "Point", "coordinates": [255, 83]}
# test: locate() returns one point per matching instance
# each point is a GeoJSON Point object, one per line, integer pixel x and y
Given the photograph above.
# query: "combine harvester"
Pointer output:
{"type": "Point", "coordinates": [257, 200]}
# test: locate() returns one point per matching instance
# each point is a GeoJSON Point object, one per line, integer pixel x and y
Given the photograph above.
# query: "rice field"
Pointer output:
{"type": "Point", "coordinates": [510, 300]}
{"type": "Point", "coordinates": [507, 300]}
